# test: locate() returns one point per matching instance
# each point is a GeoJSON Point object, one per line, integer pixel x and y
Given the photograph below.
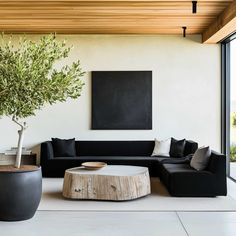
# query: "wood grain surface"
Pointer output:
{"type": "Point", "coordinates": [116, 183]}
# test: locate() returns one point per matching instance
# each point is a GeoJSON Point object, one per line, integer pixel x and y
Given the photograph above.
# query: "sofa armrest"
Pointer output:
{"type": "Point", "coordinates": [217, 166]}
{"type": "Point", "coordinates": [46, 151]}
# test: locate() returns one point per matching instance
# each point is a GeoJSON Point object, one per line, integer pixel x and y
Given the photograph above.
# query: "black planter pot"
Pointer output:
{"type": "Point", "coordinates": [20, 194]}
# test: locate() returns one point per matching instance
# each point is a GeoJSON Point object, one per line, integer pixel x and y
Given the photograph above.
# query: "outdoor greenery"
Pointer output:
{"type": "Point", "coordinates": [29, 80]}
{"type": "Point", "coordinates": [233, 137]}
{"type": "Point", "coordinates": [233, 119]}
{"type": "Point", "coordinates": [233, 153]}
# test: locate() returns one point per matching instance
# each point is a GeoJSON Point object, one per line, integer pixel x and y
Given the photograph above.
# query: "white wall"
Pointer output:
{"type": "Point", "coordinates": [186, 90]}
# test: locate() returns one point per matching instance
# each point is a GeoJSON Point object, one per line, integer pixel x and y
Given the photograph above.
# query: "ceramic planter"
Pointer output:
{"type": "Point", "coordinates": [20, 194]}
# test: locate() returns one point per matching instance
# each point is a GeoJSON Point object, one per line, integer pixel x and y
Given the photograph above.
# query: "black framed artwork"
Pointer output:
{"type": "Point", "coordinates": [122, 100]}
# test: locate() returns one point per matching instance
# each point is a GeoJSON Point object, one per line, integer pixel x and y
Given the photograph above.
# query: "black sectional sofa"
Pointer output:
{"type": "Point", "coordinates": [175, 173]}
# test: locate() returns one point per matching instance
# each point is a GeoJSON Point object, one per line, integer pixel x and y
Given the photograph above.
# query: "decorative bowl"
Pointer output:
{"type": "Point", "coordinates": [93, 165]}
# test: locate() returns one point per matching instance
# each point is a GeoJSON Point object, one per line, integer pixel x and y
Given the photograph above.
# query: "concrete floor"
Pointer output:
{"type": "Point", "coordinates": [74, 223]}
{"type": "Point", "coordinates": [63, 223]}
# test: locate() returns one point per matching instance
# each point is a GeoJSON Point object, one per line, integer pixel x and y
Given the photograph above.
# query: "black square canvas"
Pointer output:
{"type": "Point", "coordinates": [122, 100]}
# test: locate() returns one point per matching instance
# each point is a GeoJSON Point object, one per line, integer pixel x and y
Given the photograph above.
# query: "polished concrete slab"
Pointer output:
{"type": "Point", "coordinates": [73, 223]}
{"type": "Point", "coordinates": [209, 223]}
{"type": "Point", "coordinates": [63, 223]}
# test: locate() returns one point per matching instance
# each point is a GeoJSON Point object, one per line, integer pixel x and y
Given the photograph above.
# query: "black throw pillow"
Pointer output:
{"type": "Point", "coordinates": [177, 148]}
{"type": "Point", "coordinates": [63, 147]}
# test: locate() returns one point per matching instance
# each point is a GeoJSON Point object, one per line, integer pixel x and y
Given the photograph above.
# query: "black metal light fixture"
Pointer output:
{"type": "Point", "coordinates": [194, 7]}
{"type": "Point", "coordinates": [184, 31]}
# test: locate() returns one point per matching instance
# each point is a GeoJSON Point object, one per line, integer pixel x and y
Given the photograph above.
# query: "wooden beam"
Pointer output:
{"type": "Point", "coordinates": [223, 26]}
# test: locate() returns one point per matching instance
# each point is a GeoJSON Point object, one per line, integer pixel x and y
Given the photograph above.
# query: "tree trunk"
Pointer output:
{"type": "Point", "coordinates": [113, 182]}
{"type": "Point", "coordinates": [20, 141]}
{"type": "Point", "coordinates": [19, 147]}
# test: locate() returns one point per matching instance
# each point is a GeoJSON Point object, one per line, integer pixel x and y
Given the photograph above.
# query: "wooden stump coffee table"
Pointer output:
{"type": "Point", "coordinates": [113, 182]}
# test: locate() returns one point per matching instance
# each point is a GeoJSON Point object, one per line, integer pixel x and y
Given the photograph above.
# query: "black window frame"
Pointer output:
{"type": "Point", "coordinates": [225, 99]}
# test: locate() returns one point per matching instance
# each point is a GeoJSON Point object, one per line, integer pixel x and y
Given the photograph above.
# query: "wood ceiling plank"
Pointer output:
{"type": "Point", "coordinates": [118, 6]}
{"type": "Point", "coordinates": [157, 21]}
{"type": "Point", "coordinates": [108, 16]}
{"type": "Point", "coordinates": [101, 30]}
{"type": "Point", "coordinates": [65, 1]}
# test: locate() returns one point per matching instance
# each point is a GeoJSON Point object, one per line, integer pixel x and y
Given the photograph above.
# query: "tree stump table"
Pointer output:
{"type": "Point", "coordinates": [113, 182]}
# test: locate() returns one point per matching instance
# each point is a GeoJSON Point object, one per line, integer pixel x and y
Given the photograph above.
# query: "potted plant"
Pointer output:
{"type": "Point", "coordinates": [28, 81]}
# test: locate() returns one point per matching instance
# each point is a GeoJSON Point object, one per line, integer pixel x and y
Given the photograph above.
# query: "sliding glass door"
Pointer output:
{"type": "Point", "coordinates": [229, 103]}
{"type": "Point", "coordinates": [233, 108]}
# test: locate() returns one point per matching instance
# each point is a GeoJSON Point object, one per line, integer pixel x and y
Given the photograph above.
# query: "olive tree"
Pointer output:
{"type": "Point", "coordinates": [29, 80]}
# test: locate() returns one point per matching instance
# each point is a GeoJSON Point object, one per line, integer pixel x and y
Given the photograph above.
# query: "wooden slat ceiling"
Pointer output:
{"type": "Point", "coordinates": [108, 16]}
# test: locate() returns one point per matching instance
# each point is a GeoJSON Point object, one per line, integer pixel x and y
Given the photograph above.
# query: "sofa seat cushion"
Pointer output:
{"type": "Point", "coordinates": [60, 164]}
{"type": "Point", "coordinates": [146, 161]}
{"type": "Point", "coordinates": [183, 180]}
{"type": "Point", "coordinates": [64, 158]}
{"type": "Point", "coordinates": [173, 160]}
{"type": "Point", "coordinates": [183, 167]}
{"type": "Point", "coordinates": [165, 171]}
{"type": "Point", "coordinates": [91, 158]}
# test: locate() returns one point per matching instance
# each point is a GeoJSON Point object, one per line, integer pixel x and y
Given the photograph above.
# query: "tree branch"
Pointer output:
{"type": "Point", "coordinates": [22, 125]}
{"type": "Point", "coordinates": [3, 91]}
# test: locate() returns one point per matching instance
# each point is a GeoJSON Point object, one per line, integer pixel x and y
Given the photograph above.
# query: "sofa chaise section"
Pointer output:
{"type": "Point", "coordinates": [182, 180]}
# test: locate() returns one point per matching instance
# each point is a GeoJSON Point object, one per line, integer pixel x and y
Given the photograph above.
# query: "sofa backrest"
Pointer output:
{"type": "Point", "coordinates": [123, 148]}
{"type": "Point", "coordinates": [114, 148]}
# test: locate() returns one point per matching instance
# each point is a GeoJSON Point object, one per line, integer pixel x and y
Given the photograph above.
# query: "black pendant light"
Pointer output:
{"type": "Point", "coordinates": [184, 31]}
{"type": "Point", "coordinates": [194, 7]}
{"type": "Point", "coordinates": [194, 11]}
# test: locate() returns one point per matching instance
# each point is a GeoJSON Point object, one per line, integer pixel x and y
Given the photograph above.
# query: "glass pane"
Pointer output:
{"type": "Point", "coordinates": [233, 109]}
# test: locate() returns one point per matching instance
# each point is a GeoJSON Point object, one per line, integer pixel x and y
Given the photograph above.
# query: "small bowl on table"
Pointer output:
{"type": "Point", "coordinates": [93, 165]}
